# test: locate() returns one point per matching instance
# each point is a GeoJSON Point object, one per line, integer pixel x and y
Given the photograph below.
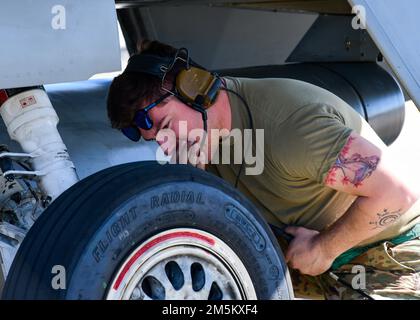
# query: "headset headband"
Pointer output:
{"type": "Point", "coordinates": [157, 65]}
{"type": "Point", "coordinates": [148, 63]}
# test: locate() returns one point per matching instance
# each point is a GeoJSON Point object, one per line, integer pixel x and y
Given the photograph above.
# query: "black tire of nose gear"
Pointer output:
{"type": "Point", "coordinates": [136, 197]}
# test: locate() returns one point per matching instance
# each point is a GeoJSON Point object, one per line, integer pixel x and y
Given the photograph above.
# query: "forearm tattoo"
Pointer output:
{"type": "Point", "coordinates": [386, 218]}
{"type": "Point", "coordinates": [355, 168]}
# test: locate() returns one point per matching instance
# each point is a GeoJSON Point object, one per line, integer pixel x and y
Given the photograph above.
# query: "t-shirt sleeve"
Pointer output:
{"type": "Point", "coordinates": [309, 141]}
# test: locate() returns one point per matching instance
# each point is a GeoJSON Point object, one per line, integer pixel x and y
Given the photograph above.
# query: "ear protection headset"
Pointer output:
{"type": "Point", "coordinates": [194, 85]}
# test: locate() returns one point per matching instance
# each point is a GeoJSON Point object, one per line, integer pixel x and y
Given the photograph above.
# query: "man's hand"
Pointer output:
{"type": "Point", "coordinates": [305, 252]}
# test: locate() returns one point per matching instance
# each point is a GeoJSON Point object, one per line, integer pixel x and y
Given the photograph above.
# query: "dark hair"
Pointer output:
{"type": "Point", "coordinates": [132, 90]}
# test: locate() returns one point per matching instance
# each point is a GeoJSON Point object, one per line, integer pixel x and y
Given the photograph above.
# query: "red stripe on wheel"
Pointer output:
{"type": "Point", "coordinates": [151, 244]}
{"type": "Point", "coordinates": [3, 96]}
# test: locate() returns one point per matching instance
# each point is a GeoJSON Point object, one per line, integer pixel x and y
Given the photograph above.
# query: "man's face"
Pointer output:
{"type": "Point", "coordinates": [173, 115]}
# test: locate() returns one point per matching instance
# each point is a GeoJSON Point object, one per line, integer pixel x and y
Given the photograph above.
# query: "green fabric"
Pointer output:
{"type": "Point", "coordinates": [353, 253]}
{"type": "Point", "coordinates": [305, 128]}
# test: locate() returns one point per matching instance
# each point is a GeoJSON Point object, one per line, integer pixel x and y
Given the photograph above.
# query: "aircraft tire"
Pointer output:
{"type": "Point", "coordinates": [149, 231]}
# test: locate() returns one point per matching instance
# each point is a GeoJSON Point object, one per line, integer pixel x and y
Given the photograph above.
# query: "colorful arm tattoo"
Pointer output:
{"type": "Point", "coordinates": [355, 168]}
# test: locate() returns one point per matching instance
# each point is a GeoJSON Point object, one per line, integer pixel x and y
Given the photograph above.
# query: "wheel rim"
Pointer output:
{"type": "Point", "coordinates": [182, 264]}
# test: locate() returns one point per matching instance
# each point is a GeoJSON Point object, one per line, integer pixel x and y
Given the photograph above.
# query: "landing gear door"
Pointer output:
{"type": "Point", "coordinates": [394, 26]}
{"type": "Point", "coordinates": [52, 41]}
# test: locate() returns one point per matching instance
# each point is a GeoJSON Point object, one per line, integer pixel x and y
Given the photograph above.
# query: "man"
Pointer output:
{"type": "Point", "coordinates": [327, 175]}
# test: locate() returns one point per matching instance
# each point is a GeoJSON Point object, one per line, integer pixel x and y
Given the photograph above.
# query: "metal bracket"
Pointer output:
{"type": "Point", "coordinates": [22, 173]}
{"type": "Point", "coordinates": [16, 156]}
{"type": "Point", "coordinates": [11, 174]}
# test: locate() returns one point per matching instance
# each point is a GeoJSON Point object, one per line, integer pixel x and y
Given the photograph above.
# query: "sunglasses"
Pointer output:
{"type": "Point", "coordinates": [142, 120]}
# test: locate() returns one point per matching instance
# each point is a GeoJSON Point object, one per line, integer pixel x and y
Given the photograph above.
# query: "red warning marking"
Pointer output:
{"type": "Point", "coordinates": [28, 101]}
{"type": "Point", "coordinates": [3, 96]}
{"type": "Point", "coordinates": [153, 243]}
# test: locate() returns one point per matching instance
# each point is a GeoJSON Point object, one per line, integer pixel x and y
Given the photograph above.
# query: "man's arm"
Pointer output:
{"type": "Point", "coordinates": [361, 169]}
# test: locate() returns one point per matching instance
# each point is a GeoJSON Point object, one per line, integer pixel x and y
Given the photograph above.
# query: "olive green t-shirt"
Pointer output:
{"type": "Point", "coordinates": [305, 128]}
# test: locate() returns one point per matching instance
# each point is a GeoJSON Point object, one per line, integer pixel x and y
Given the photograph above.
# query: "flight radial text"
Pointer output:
{"type": "Point", "coordinates": [176, 197]}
